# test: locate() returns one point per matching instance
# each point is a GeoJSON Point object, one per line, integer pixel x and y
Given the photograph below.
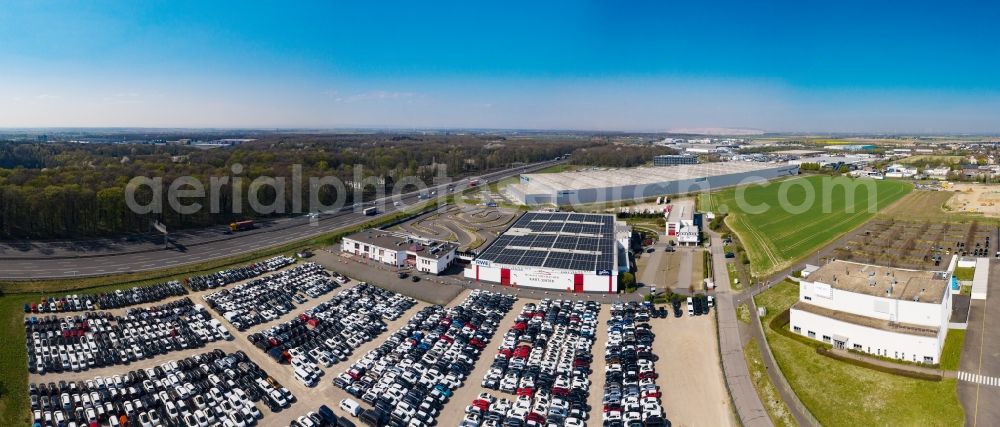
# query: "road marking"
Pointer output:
{"type": "Point", "coordinates": [978, 379]}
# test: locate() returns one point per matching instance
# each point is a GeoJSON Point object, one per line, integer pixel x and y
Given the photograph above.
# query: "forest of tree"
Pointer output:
{"type": "Point", "coordinates": [618, 156]}
{"type": "Point", "coordinates": [66, 190]}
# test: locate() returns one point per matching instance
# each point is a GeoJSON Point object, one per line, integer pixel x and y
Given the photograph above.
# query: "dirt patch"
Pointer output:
{"type": "Point", "coordinates": [975, 198]}
{"type": "Point", "coordinates": [920, 205]}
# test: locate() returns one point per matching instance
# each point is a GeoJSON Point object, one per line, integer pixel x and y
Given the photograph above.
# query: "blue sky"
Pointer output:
{"type": "Point", "coordinates": [777, 66]}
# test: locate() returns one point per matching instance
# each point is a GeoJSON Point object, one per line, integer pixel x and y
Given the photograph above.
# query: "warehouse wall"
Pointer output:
{"type": "Point", "coordinates": [875, 341]}
{"type": "Point", "coordinates": [639, 192]}
{"type": "Point", "coordinates": [536, 278]}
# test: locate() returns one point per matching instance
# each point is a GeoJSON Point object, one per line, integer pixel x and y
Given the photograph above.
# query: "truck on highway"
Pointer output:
{"type": "Point", "coordinates": [370, 211]}
{"type": "Point", "coordinates": [241, 225]}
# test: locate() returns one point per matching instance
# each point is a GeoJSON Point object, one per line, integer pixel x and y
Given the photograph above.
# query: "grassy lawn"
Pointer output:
{"type": "Point", "coordinates": [743, 313]}
{"type": "Point", "coordinates": [841, 394]}
{"type": "Point", "coordinates": [734, 277]}
{"type": "Point", "coordinates": [776, 408]}
{"type": "Point", "coordinates": [952, 351]}
{"type": "Point", "coordinates": [775, 236]}
{"type": "Point", "coordinates": [965, 273]}
{"type": "Point", "coordinates": [944, 160]}
{"type": "Point", "coordinates": [563, 167]}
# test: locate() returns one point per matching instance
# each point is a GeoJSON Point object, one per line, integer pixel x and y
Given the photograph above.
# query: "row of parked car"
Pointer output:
{"type": "Point", "coordinates": [233, 275]}
{"type": "Point", "coordinates": [209, 389]}
{"type": "Point", "coordinates": [408, 379]}
{"type": "Point", "coordinates": [545, 360]}
{"type": "Point", "coordinates": [97, 339]}
{"type": "Point", "coordinates": [328, 333]}
{"type": "Point", "coordinates": [267, 298]}
{"type": "Point", "coordinates": [697, 305]}
{"type": "Point", "coordinates": [325, 417]}
{"type": "Point", "coordinates": [106, 300]}
{"type": "Point", "coordinates": [631, 395]}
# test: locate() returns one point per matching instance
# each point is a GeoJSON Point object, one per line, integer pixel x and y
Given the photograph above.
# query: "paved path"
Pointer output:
{"type": "Point", "coordinates": [980, 362]}
{"type": "Point", "coordinates": [748, 406]}
{"type": "Point", "coordinates": [684, 273]}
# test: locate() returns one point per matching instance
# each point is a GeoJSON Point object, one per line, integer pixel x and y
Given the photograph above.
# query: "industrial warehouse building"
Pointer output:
{"type": "Point", "coordinates": [562, 251]}
{"type": "Point", "coordinates": [891, 312]}
{"type": "Point", "coordinates": [401, 250]}
{"type": "Point", "coordinates": [594, 186]}
{"type": "Point", "coordinates": [674, 160]}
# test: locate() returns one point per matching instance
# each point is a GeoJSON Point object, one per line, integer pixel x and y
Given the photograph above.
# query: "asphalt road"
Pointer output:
{"type": "Point", "coordinates": [206, 245]}
{"type": "Point", "coordinates": [979, 369]}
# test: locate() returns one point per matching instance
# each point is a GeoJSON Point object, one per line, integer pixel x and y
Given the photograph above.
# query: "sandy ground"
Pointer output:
{"type": "Point", "coordinates": [979, 198]}
{"type": "Point", "coordinates": [694, 390]}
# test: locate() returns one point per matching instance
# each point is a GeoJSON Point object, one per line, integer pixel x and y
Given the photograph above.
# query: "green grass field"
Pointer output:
{"type": "Point", "coordinates": [944, 160]}
{"type": "Point", "coordinates": [952, 351]}
{"type": "Point", "coordinates": [775, 237]}
{"type": "Point", "coordinates": [841, 394]}
{"type": "Point", "coordinates": [776, 408]}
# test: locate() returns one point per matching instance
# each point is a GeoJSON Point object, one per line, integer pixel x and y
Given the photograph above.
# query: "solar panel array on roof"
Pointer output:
{"type": "Point", "coordinates": [569, 241]}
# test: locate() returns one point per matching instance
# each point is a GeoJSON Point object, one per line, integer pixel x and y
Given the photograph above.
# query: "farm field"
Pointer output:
{"type": "Point", "coordinates": [842, 394]}
{"type": "Point", "coordinates": [775, 237]}
{"type": "Point", "coordinates": [954, 160]}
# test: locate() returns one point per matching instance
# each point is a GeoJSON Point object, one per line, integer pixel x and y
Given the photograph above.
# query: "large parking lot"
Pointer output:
{"type": "Point", "coordinates": [402, 360]}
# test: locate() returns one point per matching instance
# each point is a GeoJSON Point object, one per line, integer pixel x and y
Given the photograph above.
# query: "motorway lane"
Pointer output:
{"type": "Point", "coordinates": [127, 262]}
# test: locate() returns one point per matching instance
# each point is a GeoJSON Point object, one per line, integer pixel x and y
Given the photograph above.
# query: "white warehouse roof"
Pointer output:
{"type": "Point", "coordinates": [551, 182]}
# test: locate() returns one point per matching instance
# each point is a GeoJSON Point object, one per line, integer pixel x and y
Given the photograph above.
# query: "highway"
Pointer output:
{"type": "Point", "coordinates": [121, 256]}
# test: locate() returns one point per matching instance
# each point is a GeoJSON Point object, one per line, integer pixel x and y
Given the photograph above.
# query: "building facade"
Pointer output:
{"type": "Point", "coordinates": [401, 250]}
{"type": "Point", "coordinates": [891, 312]}
{"type": "Point", "coordinates": [558, 251]}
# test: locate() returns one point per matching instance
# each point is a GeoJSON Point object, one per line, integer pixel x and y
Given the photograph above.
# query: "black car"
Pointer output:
{"type": "Point", "coordinates": [402, 275]}
{"type": "Point", "coordinates": [415, 278]}
{"type": "Point", "coordinates": [677, 308]}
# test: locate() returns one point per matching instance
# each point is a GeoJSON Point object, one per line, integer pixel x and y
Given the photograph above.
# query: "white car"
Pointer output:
{"type": "Point", "coordinates": [351, 407]}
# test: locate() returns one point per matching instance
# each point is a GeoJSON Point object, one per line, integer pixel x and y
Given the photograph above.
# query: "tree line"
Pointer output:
{"type": "Point", "coordinates": [618, 156]}
{"type": "Point", "coordinates": [68, 190]}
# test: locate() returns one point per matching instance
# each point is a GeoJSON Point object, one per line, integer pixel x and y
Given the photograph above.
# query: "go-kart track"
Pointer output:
{"type": "Point", "coordinates": [50, 260]}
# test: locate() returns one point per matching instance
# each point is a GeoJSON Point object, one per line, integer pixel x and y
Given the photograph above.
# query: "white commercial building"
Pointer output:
{"type": "Point", "coordinates": [560, 251]}
{"type": "Point", "coordinates": [600, 186]}
{"type": "Point", "coordinates": [401, 250]}
{"type": "Point", "coordinates": [900, 171]}
{"type": "Point", "coordinates": [682, 225]}
{"type": "Point", "coordinates": [891, 312]}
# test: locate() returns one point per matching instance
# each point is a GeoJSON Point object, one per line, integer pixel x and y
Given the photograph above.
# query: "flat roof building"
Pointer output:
{"type": "Point", "coordinates": [562, 251]}
{"type": "Point", "coordinates": [401, 250]}
{"type": "Point", "coordinates": [674, 160]}
{"type": "Point", "coordinates": [683, 224]}
{"type": "Point", "coordinates": [598, 186]}
{"type": "Point", "coordinates": [891, 312]}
